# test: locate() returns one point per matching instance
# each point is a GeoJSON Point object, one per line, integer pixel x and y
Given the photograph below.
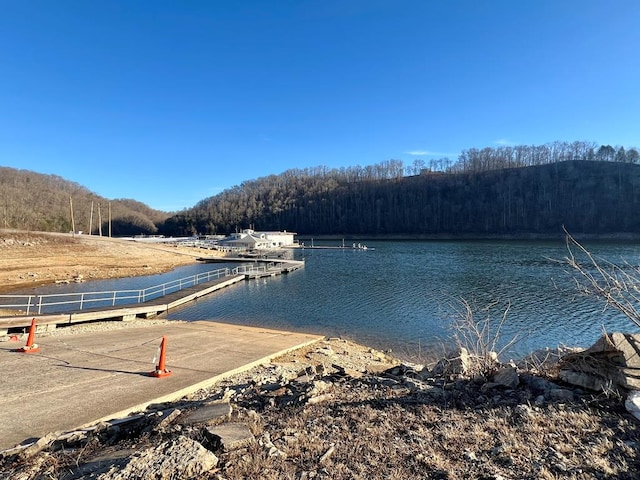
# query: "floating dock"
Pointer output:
{"type": "Point", "coordinates": [156, 306]}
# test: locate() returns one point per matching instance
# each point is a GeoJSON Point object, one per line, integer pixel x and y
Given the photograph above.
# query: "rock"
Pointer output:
{"type": "Point", "coordinates": [271, 449]}
{"type": "Point", "coordinates": [560, 395]}
{"type": "Point", "coordinates": [320, 399]}
{"type": "Point", "coordinates": [230, 436]}
{"type": "Point", "coordinates": [507, 377]}
{"type": "Point", "coordinates": [538, 384]}
{"type": "Point", "coordinates": [40, 445]}
{"type": "Point", "coordinates": [632, 404]}
{"type": "Point", "coordinates": [328, 351]}
{"type": "Point", "coordinates": [180, 458]}
{"type": "Point", "coordinates": [167, 419]}
{"type": "Point", "coordinates": [612, 362]}
{"type": "Point", "coordinates": [210, 413]}
{"type": "Point", "coordinates": [454, 365]}
{"type": "Point", "coordinates": [414, 384]}
{"type": "Point", "coordinates": [347, 372]}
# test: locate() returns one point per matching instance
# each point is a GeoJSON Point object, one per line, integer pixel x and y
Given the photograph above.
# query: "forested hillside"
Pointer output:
{"type": "Point", "coordinates": [35, 201]}
{"type": "Point", "coordinates": [506, 190]}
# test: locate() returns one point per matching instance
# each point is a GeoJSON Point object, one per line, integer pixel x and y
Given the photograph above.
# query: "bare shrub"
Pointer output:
{"type": "Point", "coordinates": [480, 337]}
{"type": "Point", "coordinates": [617, 285]}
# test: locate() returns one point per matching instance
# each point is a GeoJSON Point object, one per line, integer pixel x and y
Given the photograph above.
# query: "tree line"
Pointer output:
{"type": "Point", "coordinates": [503, 190]}
{"type": "Point", "coordinates": [515, 190]}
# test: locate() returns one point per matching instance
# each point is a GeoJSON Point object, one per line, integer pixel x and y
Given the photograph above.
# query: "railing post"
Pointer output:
{"type": "Point", "coordinates": [113, 303]}
{"type": "Point", "coordinates": [81, 300]}
{"type": "Point", "coordinates": [40, 305]}
{"type": "Point", "coordinates": [29, 304]}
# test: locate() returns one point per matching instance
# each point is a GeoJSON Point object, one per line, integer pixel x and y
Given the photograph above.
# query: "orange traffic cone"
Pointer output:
{"type": "Point", "coordinates": [31, 347]}
{"type": "Point", "coordinates": [160, 370]}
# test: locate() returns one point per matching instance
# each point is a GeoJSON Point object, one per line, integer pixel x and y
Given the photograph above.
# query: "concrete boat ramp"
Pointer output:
{"type": "Point", "coordinates": [76, 380]}
{"type": "Point", "coordinates": [80, 379]}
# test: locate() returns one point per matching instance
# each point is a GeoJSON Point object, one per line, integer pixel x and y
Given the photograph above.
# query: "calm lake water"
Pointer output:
{"type": "Point", "coordinates": [404, 295]}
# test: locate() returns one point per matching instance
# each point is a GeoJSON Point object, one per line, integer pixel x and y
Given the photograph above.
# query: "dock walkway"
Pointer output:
{"type": "Point", "coordinates": [146, 309]}
{"type": "Point", "coordinates": [156, 306]}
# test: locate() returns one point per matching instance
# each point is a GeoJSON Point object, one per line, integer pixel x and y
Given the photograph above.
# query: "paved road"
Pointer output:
{"type": "Point", "coordinates": [79, 379]}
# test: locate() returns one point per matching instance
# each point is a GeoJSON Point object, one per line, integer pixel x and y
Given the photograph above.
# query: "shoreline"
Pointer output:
{"type": "Point", "coordinates": [340, 410]}
{"type": "Point", "coordinates": [613, 237]}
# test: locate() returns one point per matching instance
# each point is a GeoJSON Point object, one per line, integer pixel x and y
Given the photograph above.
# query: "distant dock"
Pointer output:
{"type": "Point", "coordinates": [354, 246]}
{"type": "Point", "coordinates": [329, 247]}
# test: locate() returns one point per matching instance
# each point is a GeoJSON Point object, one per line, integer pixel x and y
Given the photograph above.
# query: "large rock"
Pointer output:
{"type": "Point", "coordinates": [230, 436]}
{"type": "Point", "coordinates": [507, 377]}
{"type": "Point", "coordinates": [456, 364]}
{"type": "Point", "coordinates": [211, 413]}
{"type": "Point", "coordinates": [613, 362]}
{"type": "Point", "coordinates": [180, 458]}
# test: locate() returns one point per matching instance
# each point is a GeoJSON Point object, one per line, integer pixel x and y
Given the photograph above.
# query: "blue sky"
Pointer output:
{"type": "Point", "coordinates": [170, 102]}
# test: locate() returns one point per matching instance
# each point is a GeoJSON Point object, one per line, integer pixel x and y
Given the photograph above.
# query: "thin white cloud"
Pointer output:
{"type": "Point", "coordinates": [505, 142]}
{"type": "Point", "coordinates": [429, 153]}
{"type": "Point", "coordinates": [417, 152]}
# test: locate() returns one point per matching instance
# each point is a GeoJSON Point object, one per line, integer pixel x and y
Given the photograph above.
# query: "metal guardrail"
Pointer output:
{"type": "Point", "coordinates": [52, 303]}
{"type": "Point", "coordinates": [252, 269]}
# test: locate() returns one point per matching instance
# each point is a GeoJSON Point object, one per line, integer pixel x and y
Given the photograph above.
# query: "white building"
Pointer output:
{"type": "Point", "coordinates": [251, 240]}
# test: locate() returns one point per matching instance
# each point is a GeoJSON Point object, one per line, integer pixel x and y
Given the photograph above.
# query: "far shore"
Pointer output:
{"type": "Point", "coordinates": [614, 237]}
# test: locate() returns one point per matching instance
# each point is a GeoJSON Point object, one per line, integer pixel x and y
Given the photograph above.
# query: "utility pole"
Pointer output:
{"type": "Point", "coordinates": [73, 222]}
{"type": "Point", "coordinates": [91, 218]}
{"type": "Point", "coordinates": [99, 221]}
{"type": "Point", "coordinates": [109, 219]}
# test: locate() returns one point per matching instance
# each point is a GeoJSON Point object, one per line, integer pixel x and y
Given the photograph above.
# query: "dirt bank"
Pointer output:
{"type": "Point", "coordinates": [29, 259]}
